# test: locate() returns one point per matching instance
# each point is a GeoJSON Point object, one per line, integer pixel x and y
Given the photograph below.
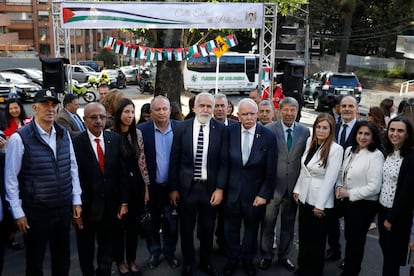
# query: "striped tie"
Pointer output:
{"type": "Point", "coordinates": [199, 154]}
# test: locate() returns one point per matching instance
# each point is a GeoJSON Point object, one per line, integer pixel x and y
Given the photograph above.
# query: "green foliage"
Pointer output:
{"type": "Point", "coordinates": [107, 56]}
{"type": "Point", "coordinates": [396, 72]}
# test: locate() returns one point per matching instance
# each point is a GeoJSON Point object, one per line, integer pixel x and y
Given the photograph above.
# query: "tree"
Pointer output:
{"type": "Point", "coordinates": [347, 8]}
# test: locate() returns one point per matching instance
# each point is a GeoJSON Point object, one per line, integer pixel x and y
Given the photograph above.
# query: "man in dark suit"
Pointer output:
{"type": "Point", "coordinates": [220, 109]}
{"type": "Point", "coordinates": [197, 179]}
{"type": "Point", "coordinates": [68, 117]}
{"type": "Point", "coordinates": [252, 170]}
{"type": "Point", "coordinates": [343, 133]}
{"type": "Point", "coordinates": [101, 173]}
{"type": "Point", "coordinates": [220, 114]}
{"type": "Point", "coordinates": [158, 136]}
{"type": "Point", "coordinates": [291, 142]}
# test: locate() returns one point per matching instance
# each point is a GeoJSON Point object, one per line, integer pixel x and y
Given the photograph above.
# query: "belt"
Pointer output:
{"type": "Point", "coordinates": [199, 181]}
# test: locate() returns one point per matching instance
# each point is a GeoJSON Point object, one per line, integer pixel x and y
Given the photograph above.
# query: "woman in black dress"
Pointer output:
{"type": "Point", "coordinates": [126, 234]}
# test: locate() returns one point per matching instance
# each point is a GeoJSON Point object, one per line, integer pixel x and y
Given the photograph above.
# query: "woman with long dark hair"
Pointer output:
{"type": "Point", "coordinates": [358, 188]}
{"type": "Point", "coordinates": [314, 192]}
{"type": "Point", "coordinates": [396, 197]}
{"type": "Point", "coordinates": [126, 234]}
{"type": "Point", "coordinates": [15, 116]}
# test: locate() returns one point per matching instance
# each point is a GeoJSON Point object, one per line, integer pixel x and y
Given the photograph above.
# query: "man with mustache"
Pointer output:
{"type": "Point", "coordinates": [103, 180]}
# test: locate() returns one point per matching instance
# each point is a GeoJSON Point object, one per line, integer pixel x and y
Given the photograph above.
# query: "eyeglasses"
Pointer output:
{"type": "Point", "coordinates": [96, 117]}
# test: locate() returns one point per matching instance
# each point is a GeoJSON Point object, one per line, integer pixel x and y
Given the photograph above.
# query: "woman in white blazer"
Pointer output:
{"type": "Point", "coordinates": [358, 187]}
{"type": "Point", "coordinates": [314, 192]}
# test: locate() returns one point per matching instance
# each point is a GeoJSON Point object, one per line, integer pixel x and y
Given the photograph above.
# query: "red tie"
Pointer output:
{"type": "Point", "coordinates": [101, 157]}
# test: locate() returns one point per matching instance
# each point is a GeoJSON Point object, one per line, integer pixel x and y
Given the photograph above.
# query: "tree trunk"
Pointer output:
{"type": "Point", "coordinates": [169, 79]}
{"type": "Point", "coordinates": [345, 42]}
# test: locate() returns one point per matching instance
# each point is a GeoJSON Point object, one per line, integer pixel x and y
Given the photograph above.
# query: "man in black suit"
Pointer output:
{"type": "Point", "coordinates": [197, 179]}
{"type": "Point", "coordinates": [220, 114]}
{"type": "Point", "coordinates": [252, 170]}
{"type": "Point", "coordinates": [220, 109]}
{"type": "Point", "coordinates": [101, 173]}
{"type": "Point", "coordinates": [343, 133]}
{"type": "Point", "coordinates": [158, 136]}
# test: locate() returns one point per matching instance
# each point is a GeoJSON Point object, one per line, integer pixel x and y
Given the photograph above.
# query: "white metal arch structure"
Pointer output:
{"type": "Point", "coordinates": [61, 37]}
{"type": "Point", "coordinates": [172, 15]}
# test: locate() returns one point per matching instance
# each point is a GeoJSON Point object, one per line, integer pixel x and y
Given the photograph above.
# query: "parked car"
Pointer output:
{"type": "Point", "coordinates": [81, 73]}
{"type": "Point", "coordinates": [131, 74]}
{"type": "Point", "coordinates": [324, 86]}
{"type": "Point", "coordinates": [35, 75]}
{"type": "Point", "coordinates": [117, 79]}
{"type": "Point", "coordinates": [7, 90]}
{"type": "Point", "coordinates": [93, 64]}
{"type": "Point", "coordinates": [25, 89]}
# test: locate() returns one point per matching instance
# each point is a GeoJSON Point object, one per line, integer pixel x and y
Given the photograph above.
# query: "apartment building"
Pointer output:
{"type": "Point", "coordinates": [27, 25]}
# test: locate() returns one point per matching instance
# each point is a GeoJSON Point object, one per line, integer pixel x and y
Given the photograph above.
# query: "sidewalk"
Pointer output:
{"type": "Point", "coordinates": [374, 97]}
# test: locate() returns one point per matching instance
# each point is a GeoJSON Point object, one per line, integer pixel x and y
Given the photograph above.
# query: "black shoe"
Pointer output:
{"type": "Point", "coordinates": [287, 264]}
{"type": "Point", "coordinates": [342, 264]}
{"type": "Point", "coordinates": [249, 268]}
{"type": "Point", "coordinates": [154, 261]}
{"type": "Point", "coordinates": [209, 269]}
{"type": "Point", "coordinates": [172, 261]}
{"type": "Point", "coordinates": [187, 270]}
{"type": "Point", "coordinates": [264, 264]}
{"type": "Point", "coordinates": [229, 268]}
{"type": "Point", "coordinates": [332, 255]}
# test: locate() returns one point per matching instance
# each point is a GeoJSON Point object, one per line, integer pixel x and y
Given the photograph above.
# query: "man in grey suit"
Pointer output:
{"type": "Point", "coordinates": [68, 117]}
{"type": "Point", "coordinates": [291, 141]}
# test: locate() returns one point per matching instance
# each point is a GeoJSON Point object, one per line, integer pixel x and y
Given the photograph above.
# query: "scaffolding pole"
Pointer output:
{"type": "Point", "coordinates": [268, 43]}
{"type": "Point", "coordinates": [61, 37]}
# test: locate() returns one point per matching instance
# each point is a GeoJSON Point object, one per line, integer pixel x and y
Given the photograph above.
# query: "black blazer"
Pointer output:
{"type": "Point", "coordinates": [102, 194]}
{"type": "Point", "coordinates": [257, 176]}
{"type": "Point", "coordinates": [348, 141]}
{"type": "Point", "coordinates": [148, 131]}
{"type": "Point", "coordinates": [182, 157]}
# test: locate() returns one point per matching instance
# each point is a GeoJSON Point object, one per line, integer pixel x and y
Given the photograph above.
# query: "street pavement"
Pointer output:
{"type": "Point", "coordinates": [15, 260]}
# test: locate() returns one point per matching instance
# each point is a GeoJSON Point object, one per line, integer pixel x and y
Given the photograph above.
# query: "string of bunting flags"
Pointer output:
{"type": "Point", "coordinates": [170, 54]}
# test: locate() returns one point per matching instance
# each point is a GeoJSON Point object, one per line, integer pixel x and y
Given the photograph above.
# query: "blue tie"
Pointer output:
{"type": "Point", "coordinates": [78, 122]}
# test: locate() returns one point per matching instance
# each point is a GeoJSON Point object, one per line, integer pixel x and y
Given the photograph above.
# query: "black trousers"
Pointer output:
{"type": "Point", "coordinates": [126, 238]}
{"type": "Point", "coordinates": [391, 264]}
{"type": "Point", "coordinates": [334, 230]}
{"type": "Point", "coordinates": [48, 226]}
{"type": "Point", "coordinates": [358, 216]}
{"type": "Point", "coordinates": [196, 205]}
{"type": "Point", "coordinates": [312, 241]}
{"type": "Point", "coordinates": [102, 233]}
{"type": "Point", "coordinates": [238, 214]}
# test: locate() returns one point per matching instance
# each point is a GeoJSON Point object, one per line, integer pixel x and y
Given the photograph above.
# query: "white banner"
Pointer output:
{"type": "Point", "coordinates": [165, 15]}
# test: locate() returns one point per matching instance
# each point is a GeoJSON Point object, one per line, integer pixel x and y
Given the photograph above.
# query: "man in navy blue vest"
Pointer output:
{"type": "Point", "coordinates": [42, 186]}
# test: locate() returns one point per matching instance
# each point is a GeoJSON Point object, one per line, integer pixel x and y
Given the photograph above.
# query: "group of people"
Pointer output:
{"type": "Point", "coordinates": [209, 175]}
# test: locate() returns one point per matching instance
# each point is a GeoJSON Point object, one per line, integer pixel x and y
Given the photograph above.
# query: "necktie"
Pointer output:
{"type": "Point", "coordinates": [101, 156]}
{"type": "Point", "coordinates": [343, 135]}
{"type": "Point", "coordinates": [339, 119]}
{"type": "Point", "coordinates": [245, 147]}
{"type": "Point", "coordinates": [199, 154]}
{"type": "Point", "coordinates": [78, 122]}
{"type": "Point", "coordinates": [289, 139]}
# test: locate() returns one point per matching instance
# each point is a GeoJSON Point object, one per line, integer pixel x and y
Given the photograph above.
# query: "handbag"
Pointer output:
{"type": "Point", "coordinates": [145, 223]}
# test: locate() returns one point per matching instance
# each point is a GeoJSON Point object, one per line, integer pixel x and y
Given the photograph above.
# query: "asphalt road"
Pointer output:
{"type": "Point", "coordinates": [15, 260]}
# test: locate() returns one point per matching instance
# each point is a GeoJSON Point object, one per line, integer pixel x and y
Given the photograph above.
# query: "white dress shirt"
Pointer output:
{"type": "Point", "coordinates": [206, 140]}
